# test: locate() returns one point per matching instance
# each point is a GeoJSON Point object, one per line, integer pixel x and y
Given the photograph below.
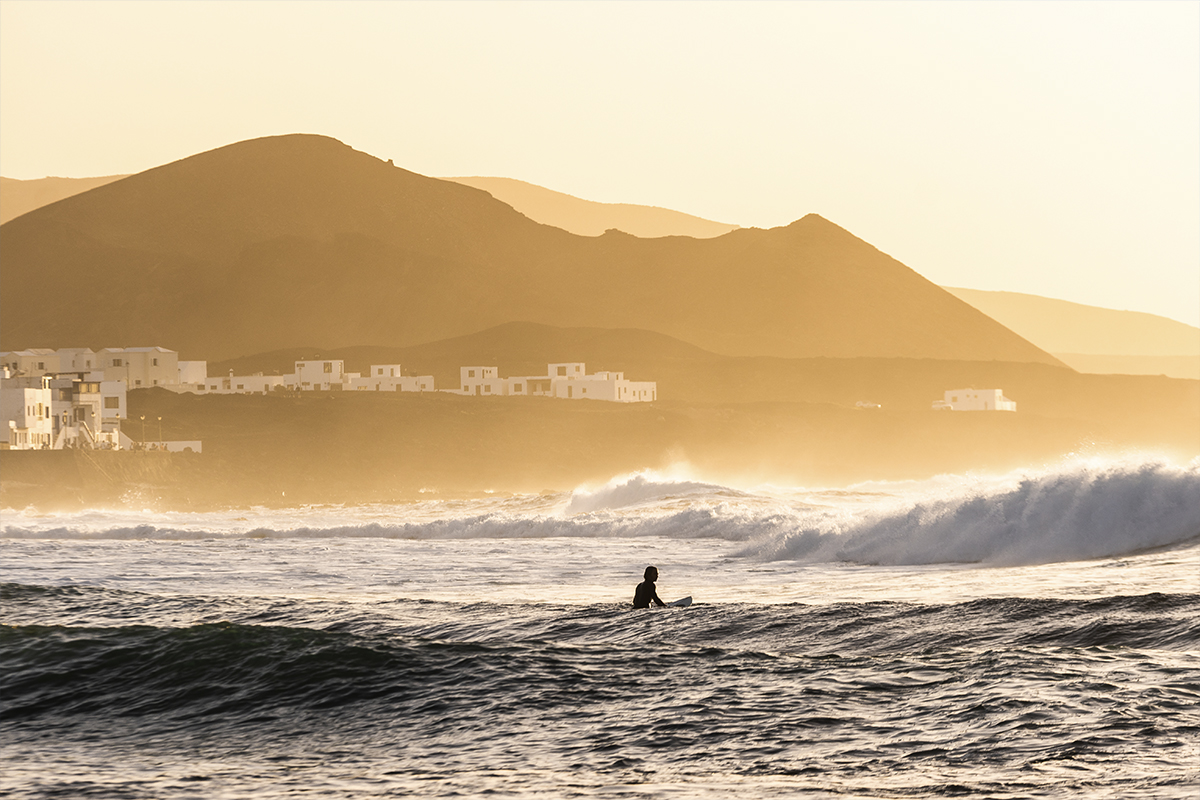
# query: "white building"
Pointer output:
{"type": "Point", "coordinates": [88, 413]}
{"type": "Point", "coordinates": [27, 413]}
{"type": "Point", "coordinates": [238, 384]}
{"type": "Point", "coordinates": [567, 380]}
{"type": "Point", "coordinates": [79, 360]}
{"type": "Point", "coordinates": [140, 367]}
{"type": "Point", "coordinates": [974, 400]}
{"type": "Point", "coordinates": [193, 372]}
{"type": "Point", "coordinates": [34, 362]}
{"type": "Point", "coordinates": [390, 378]}
{"type": "Point", "coordinates": [318, 375]}
{"type": "Point", "coordinates": [481, 381]}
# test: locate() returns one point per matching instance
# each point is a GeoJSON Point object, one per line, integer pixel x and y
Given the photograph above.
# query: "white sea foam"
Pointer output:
{"type": "Point", "coordinates": [645, 489]}
{"type": "Point", "coordinates": [1081, 512]}
{"type": "Point", "coordinates": [1078, 511]}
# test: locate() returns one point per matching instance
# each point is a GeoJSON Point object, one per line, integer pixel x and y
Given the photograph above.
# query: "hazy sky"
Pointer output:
{"type": "Point", "coordinates": [1051, 148]}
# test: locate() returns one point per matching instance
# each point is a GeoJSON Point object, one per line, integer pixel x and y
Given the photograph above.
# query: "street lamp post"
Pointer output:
{"type": "Point", "coordinates": [143, 419]}
{"type": "Point", "coordinates": [161, 446]}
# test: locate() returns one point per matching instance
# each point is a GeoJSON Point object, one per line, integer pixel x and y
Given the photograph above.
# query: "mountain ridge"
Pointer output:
{"type": "Point", "coordinates": [265, 243]}
{"type": "Point", "coordinates": [591, 218]}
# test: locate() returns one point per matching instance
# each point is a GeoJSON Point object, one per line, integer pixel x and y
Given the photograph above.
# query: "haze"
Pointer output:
{"type": "Point", "coordinates": [1042, 148]}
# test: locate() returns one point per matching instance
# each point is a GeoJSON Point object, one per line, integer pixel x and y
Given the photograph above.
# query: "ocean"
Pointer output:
{"type": "Point", "coordinates": [1035, 634]}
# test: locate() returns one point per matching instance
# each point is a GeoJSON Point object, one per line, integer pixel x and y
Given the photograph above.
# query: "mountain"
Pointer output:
{"type": "Point", "coordinates": [589, 218]}
{"type": "Point", "coordinates": [275, 242]}
{"type": "Point", "coordinates": [685, 374]}
{"type": "Point", "coordinates": [20, 197]}
{"type": "Point", "coordinates": [1092, 339]}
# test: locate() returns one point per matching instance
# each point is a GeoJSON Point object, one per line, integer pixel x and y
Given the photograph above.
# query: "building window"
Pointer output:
{"type": "Point", "coordinates": [329, 366]}
{"type": "Point", "coordinates": [155, 360]}
{"type": "Point", "coordinates": [138, 382]}
{"type": "Point", "coordinates": [116, 362]}
{"type": "Point", "coordinates": [41, 365]}
{"type": "Point", "coordinates": [241, 386]}
{"type": "Point", "coordinates": [470, 373]}
{"type": "Point", "coordinates": [112, 402]}
{"type": "Point", "coordinates": [562, 371]}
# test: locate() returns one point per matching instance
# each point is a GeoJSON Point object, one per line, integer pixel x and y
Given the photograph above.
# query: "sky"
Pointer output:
{"type": "Point", "coordinates": [1043, 147]}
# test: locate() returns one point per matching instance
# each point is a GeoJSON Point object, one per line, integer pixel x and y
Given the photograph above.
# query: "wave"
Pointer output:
{"type": "Point", "coordinates": [1078, 512]}
{"type": "Point", "coordinates": [413, 654]}
{"type": "Point", "coordinates": [1084, 513]}
{"type": "Point", "coordinates": [642, 489]}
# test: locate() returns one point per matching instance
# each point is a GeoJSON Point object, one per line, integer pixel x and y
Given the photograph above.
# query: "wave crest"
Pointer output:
{"type": "Point", "coordinates": [1083, 513]}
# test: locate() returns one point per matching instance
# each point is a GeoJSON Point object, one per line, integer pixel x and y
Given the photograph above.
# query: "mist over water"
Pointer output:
{"type": "Point", "coordinates": [1026, 635]}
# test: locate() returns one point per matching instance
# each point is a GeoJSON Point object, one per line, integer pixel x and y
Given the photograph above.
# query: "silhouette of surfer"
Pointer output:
{"type": "Point", "coordinates": [645, 591]}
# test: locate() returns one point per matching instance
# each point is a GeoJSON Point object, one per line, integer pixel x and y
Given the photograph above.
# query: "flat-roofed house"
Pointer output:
{"type": "Point", "coordinates": [974, 400]}
{"type": "Point", "coordinates": [481, 381]}
{"type": "Point", "coordinates": [26, 412]}
{"type": "Point", "coordinates": [140, 367]}
{"type": "Point", "coordinates": [318, 375]}
{"type": "Point", "coordinates": [390, 378]}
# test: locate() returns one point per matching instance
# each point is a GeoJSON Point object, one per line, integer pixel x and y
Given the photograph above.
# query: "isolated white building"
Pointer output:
{"type": "Point", "coordinates": [974, 400]}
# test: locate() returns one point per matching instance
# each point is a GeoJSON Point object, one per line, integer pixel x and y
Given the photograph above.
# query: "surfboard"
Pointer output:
{"type": "Point", "coordinates": [682, 602]}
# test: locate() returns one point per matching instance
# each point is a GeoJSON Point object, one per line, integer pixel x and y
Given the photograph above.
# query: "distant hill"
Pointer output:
{"type": "Point", "coordinates": [589, 218]}
{"type": "Point", "coordinates": [1092, 339]}
{"type": "Point", "coordinates": [274, 242]}
{"type": "Point", "coordinates": [20, 197]}
{"type": "Point", "coordinates": [690, 375]}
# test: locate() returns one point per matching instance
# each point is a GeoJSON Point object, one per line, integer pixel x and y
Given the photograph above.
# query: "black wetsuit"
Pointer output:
{"type": "Point", "coordinates": [644, 593]}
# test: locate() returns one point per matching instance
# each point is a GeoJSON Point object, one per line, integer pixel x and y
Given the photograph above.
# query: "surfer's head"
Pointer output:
{"type": "Point", "coordinates": [651, 574]}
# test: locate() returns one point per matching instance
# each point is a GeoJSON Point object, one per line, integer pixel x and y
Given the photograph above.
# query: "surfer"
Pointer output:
{"type": "Point", "coordinates": [645, 591]}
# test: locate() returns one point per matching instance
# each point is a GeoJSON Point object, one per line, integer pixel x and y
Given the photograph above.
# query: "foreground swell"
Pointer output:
{"type": "Point", "coordinates": [1006, 698]}
{"type": "Point", "coordinates": [839, 645]}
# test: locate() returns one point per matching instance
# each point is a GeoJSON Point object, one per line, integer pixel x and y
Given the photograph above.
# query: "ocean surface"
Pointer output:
{"type": "Point", "coordinates": [1026, 635]}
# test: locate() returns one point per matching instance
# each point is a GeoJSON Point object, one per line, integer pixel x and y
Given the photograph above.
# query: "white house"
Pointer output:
{"type": "Point", "coordinates": [481, 381]}
{"type": "Point", "coordinates": [27, 413]}
{"type": "Point", "coordinates": [390, 378]}
{"type": "Point", "coordinates": [88, 413]}
{"type": "Point", "coordinates": [974, 400]}
{"type": "Point", "coordinates": [80, 360]}
{"type": "Point", "coordinates": [193, 372]}
{"type": "Point", "coordinates": [238, 384]}
{"type": "Point", "coordinates": [567, 380]}
{"type": "Point", "coordinates": [140, 366]}
{"type": "Point", "coordinates": [34, 362]}
{"type": "Point", "coordinates": [318, 375]}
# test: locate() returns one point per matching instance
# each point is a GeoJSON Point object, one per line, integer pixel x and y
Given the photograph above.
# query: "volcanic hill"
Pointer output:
{"type": "Point", "coordinates": [288, 240]}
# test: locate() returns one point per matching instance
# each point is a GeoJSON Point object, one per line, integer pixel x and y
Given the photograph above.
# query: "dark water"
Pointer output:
{"type": "Point", "coordinates": [105, 693]}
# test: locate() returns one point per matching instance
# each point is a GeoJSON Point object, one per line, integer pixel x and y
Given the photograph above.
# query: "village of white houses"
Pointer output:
{"type": "Point", "coordinates": [76, 397]}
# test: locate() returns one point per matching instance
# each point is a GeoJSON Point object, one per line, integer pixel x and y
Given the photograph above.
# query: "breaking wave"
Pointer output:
{"type": "Point", "coordinates": [1084, 513]}
{"type": "Point", "coordinates": [1072, 513]}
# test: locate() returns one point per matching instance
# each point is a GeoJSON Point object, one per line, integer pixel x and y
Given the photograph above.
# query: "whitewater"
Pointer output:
{"type": "Point", "coordinates": [1035, 634]}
